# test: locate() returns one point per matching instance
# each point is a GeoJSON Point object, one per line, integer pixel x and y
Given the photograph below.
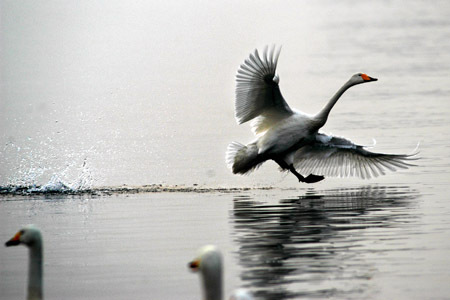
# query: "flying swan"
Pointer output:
{"type": "Point", "coordinates": [209, 263]}
{"type": "Point", "coordinates": [292, 138]}
{"type": "Point", "coordinates": [31, 237]}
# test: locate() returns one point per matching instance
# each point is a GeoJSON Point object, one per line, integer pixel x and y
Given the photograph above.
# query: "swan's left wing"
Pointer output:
{"type": "Point", "coordinates": [339, 157]}
{"type": "Point", "coordinates": [258, 95]}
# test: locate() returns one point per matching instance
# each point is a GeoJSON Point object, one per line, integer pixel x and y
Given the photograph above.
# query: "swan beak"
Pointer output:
{"type": "Point", "coordinates": [194, 265]}
{"type": "Point", "coordinates": [368, 78]}
{"type": "Point", "coordinates": [14, 241]}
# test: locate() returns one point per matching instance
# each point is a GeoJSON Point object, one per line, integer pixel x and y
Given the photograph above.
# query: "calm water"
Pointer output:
{"type": "Point", "coordinates": [105, 94]}
{"type": "Point", "coordinates": [367, 242]}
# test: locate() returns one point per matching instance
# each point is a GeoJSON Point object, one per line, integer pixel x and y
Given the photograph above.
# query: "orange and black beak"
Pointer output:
{"type": "Point", "coordinates": [194, 265]}
{"type": "Point", "coordinates": [368, 78]}
{"type": "Point", "coordinates": [14, 241]}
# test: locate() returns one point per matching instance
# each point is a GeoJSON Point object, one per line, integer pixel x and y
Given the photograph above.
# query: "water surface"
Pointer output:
{"type": "Point", "coordinates": [372, 242]}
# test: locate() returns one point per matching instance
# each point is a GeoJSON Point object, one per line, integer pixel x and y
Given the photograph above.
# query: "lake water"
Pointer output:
{"type": "Point", "coordinates": [107, 100]}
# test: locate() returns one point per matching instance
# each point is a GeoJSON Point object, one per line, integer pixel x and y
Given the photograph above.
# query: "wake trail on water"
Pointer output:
{"type": "Point", "coordinates": [57, 187]}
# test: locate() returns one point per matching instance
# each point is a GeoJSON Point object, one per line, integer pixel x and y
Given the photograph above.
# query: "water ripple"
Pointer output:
{"type": "Point", "coordinates": [316, 245]}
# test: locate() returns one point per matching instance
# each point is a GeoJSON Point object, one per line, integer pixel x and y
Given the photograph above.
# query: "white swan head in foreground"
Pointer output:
{"type": "Point", "coordinates": [209, 264]}
{"type": "Point", "coordinates": [30, 236]}
{"type": "Point", "coordinates": [292, 138]}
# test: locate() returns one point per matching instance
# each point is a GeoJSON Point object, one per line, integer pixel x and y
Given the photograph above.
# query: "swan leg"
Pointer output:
{"type": "Point", "coordinates": [285, 166]}
{"type": "Point", "coordinates": [297, 174]}
{"type": "Point", "coordinates": [311, 178]}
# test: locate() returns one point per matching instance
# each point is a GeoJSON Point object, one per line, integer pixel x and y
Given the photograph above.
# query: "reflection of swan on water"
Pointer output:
{"type": "Point", "coordinates": [314, 245]}
{"type": "Point", "coordinates": [30, 236]}
{"type": "Point", "coordinates": [209, 263]}
{"type": "Point", "coordinates": [290, 137]}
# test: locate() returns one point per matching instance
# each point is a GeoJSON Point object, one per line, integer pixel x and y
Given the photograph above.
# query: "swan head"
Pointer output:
{"type": "Point", "coordinates": [29, 235]}
{"type": "Point", "coordinates": [209, 264]}
{"type": "Point", "coordinates": [360, 78]}
{"type": "Point", "coordinates": [208, 259]}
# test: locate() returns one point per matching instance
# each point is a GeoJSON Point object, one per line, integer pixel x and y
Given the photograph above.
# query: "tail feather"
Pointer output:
{"type": "Point", "coordinates": [241, 158]}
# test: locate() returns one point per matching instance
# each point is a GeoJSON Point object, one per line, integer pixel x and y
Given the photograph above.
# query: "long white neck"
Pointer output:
{"type": "Point", "coordinates": [322, 116]}
{"type": "Point", "coordinates": [212, 285]}
{"type": "Point", "coordinates": [35, 271]}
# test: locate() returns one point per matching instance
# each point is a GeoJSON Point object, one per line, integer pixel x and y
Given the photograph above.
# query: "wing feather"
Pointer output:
{"type": "Point", "coordinates": [339, 157]}
{"type": "Point", "coordinates": [258, 95]}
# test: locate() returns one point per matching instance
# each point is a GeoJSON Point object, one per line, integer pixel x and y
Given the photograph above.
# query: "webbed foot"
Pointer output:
{"type": "Point", "coordinates": [311, 178]}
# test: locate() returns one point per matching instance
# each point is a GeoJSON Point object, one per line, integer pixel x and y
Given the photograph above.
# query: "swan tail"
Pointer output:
{"type": "Point", "coordinates": [242, 158]}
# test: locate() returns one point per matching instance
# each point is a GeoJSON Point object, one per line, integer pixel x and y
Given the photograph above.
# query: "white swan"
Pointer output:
{"type": "Point", "coordinates": [30, 236]}
{"type": "Point", "coordinates": [209, 263]}
{"type": "Point", "coordinates": [290, 137]}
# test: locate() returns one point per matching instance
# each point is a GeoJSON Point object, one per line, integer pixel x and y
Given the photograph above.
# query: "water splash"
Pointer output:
{"type": "Point", "coordinates": [34, 171]}
{"type": "Point", "coordinates": [56, 184]}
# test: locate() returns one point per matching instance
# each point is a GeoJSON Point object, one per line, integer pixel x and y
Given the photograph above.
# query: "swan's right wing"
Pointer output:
{"type": "Point", "coordinates": [258, 95]}
{"type": "Point", "coordinates": [339, 157]}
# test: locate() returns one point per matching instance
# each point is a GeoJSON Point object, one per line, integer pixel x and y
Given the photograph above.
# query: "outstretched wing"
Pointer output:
{"type": "Point", "coordinates": [258, 93]}
{"type": "Point", "coordinates": [339, 157]}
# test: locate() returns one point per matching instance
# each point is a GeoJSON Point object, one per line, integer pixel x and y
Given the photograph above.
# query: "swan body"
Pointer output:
{"type": "Point", "coordinates": [31, 237]}
{"type": "Point", "coordinates": [292, 138]}
{"type": "Point", "coordinates": [209, 264]}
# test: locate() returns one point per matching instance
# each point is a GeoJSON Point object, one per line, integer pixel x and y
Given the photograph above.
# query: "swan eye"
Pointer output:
{"type": "Point", "coordinates": [22, 232]}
